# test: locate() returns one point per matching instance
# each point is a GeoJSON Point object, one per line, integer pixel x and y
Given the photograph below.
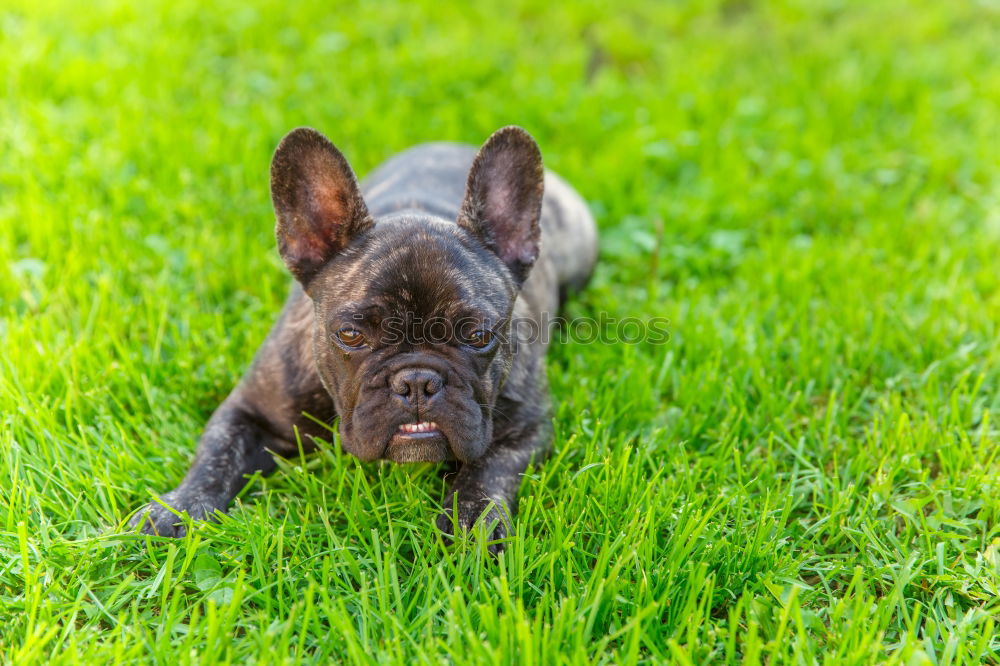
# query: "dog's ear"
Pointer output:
{"type": "Point", "coordinates": [503, 198]}
{"type": "Point", "coordinates": [317, 202]}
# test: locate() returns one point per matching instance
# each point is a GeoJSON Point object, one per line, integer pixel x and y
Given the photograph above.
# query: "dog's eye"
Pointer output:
{"type": "Point", "coordinates": [479, 339]}
{"type": "Point", "coordinates": [351, 337]}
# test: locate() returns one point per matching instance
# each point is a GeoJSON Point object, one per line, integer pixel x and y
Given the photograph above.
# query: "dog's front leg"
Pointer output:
{"type": "Point", "coordinates": [488, 487]}
{"type": "Point", "coordinates": [259, 417]}
{"type": "Point", "coordinates": [234, 445]}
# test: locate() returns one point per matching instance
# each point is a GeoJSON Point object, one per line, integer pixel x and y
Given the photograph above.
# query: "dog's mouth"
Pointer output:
{"type": "Point", "coordinates": [420, 441]}
{"type": "Point", "coordinates": [419, 429]}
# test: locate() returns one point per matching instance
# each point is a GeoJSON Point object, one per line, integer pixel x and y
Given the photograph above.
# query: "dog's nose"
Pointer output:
{"type": "Point", "coordinates": [416, 384]}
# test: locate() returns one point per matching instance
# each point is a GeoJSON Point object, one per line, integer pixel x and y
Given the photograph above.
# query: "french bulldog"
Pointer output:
{"type": "Point", "coordinates": [402, 322]}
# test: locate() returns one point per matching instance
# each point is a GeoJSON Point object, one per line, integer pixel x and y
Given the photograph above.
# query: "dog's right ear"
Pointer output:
{"type": "Point", "coordinates": [317, 202]}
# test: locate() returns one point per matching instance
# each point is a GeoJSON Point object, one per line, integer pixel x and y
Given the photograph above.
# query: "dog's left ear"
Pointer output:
{"type": "Point", "coordinates": [503, 198]}
{"type": "Point", "coordinates": [317, 202]}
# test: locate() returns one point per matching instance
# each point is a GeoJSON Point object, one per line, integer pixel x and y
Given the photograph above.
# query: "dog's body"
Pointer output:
{"type": "Point", "coordinates": [377, 268]}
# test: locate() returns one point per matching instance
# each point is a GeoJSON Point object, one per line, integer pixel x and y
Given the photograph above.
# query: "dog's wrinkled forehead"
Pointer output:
{"type": "Point", "coordinates": [419, 267]}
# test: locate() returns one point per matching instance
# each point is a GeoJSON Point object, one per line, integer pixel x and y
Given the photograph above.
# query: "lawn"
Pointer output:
{"type": "Point", "coordinates": [807, 472]}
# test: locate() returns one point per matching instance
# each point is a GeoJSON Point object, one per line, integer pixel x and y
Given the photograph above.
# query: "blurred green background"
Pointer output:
{"type": "Point", "coordinates": [806, 473]}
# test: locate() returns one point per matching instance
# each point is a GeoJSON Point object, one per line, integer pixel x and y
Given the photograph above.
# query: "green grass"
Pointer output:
{"type": "Point", "coordinates": [807, 472]}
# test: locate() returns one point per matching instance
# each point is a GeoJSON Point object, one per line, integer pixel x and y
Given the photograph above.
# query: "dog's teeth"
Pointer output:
{"type": "Point", "coordinates": [422, 426]}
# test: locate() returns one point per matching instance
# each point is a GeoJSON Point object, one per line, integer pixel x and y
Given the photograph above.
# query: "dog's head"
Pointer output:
{"type": "Point", "coordinates": [413, 314]}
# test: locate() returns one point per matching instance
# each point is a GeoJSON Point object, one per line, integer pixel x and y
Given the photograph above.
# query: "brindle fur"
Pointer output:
{"type": "Point", "coordinates": [392, 248]}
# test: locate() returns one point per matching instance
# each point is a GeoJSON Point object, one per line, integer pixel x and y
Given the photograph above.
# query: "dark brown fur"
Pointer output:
{"type": "Point", "coordinates": [410, 247]}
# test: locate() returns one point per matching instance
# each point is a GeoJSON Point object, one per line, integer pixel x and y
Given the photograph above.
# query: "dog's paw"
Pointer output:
{"type": "Point", "coordinates": [481, 514]}
{"type": "Point", "coordinates": [159, 520]}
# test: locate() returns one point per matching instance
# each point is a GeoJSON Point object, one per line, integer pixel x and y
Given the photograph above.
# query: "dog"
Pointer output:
{"type": "Point", "coordinates": [401, 322]}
